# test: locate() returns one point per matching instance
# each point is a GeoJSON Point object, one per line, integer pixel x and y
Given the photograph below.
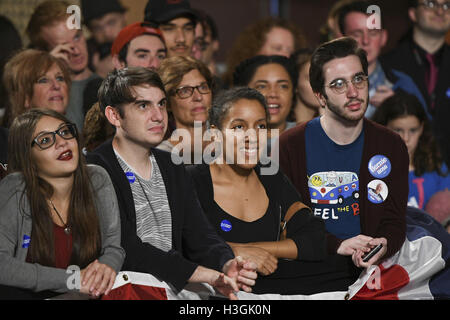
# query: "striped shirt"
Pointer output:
{"type": "Point", "coordinates": [153, 216]}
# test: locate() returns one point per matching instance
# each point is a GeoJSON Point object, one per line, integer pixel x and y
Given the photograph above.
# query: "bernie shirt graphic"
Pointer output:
{"type": "Point", "coordinates": [333, 180]}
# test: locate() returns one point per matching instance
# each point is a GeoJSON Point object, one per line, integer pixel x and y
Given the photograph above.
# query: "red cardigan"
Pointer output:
{"type": "Point", "coordinates": [377, 220]}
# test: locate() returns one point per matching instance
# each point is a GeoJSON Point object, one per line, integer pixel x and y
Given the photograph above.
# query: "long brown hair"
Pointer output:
{"type": "Point", "coordinates": [427, 156]}
{"type": "Point", "coordinates": [82, 215]}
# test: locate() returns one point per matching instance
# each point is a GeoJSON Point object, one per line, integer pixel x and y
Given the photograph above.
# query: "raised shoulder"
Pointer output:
{"type": "Point", "coordinates": [12, 182]}
{"type": "Point", "coordinates": [98, 175]}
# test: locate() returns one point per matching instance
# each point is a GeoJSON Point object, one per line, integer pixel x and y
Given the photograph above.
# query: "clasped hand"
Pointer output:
{"type": "Point", "coordinates": [359, 246]}
{"type": "Point", "coordinates": [97, 279]}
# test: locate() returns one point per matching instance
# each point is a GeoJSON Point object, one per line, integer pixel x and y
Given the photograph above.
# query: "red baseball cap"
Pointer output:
{"type": "Point", "coordinates": [133, 31]}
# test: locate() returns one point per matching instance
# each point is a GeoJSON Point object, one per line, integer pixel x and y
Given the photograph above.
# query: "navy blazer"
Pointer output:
{"type": "Point", "coordinates": [194, 240]}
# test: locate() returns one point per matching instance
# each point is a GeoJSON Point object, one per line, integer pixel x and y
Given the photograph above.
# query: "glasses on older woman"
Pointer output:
{"type": "Point", "coordinates": [187, 91]}
{"type": "Point", "coordinates": [45, 140]}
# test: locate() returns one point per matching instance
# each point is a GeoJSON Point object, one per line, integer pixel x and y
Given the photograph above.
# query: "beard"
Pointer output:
{"type": "Point", "coordinates": [433, 31]}
{"type": "Point", "coordinates": [339, 111]}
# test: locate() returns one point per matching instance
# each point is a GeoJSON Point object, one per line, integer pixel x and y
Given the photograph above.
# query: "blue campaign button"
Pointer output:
{"type": "Point", "coordinates": [225, 225]}
{"type": "Point", "coordinates": [448, 93]}
{"type": "Point", "coordinates": [131, 177]}
{"type": "Point", "coordinates": [379, 166]}
{"type": "Point", "coordinates": [26, 241]}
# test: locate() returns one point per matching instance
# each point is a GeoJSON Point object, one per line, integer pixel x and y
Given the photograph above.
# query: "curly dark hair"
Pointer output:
{"type": "Point", "coordinates": [253, 37]}
{"type": "Point", "coordinates": [427, 156]}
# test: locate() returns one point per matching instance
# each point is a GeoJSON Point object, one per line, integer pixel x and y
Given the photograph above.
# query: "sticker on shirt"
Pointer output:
{"type": "Point", "coordinates": [448, 93]}
{"type": "Point", "coordinates": [131, 177]}
{"type": "Point", "coordinates": [379, 166]}
{"type": "Point", "coordinates": [377, 191]}
{"type": "Point", "coordinates": [332, 187]}
{"type": "Point", "coordinates": [225, 225]}
{"type": "Point", "coordinates": [26, 241]}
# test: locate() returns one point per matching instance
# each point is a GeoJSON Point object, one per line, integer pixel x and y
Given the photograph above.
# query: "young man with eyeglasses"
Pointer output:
{"type": "Point", "coordinates": [425, 57]}
{"type": "Point", "coordinates": [164, 230]}
{"type": "Point", "coordinates": [334, 159]}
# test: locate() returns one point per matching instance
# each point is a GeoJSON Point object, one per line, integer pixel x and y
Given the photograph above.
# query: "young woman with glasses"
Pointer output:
{"type": "Point", "coordinates": [55, 212]}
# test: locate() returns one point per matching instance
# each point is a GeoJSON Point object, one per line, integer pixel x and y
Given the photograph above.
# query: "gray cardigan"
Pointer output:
{"type": "Point", "coordinates": [15, 229]}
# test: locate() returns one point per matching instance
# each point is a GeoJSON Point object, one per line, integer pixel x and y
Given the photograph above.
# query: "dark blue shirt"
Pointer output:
{"type": "Point", "coordinates": [333, 180]}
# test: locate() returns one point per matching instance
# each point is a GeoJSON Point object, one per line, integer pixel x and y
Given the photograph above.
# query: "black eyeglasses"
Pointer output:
{"type": "Point", "coordinates": [45, 140]}
{"type": "Point", "coordinates": [188, 91]}
{"type": "Point", "coordinates": [340, 86]}
{"type": "Point", "coordinates": [434, 5]}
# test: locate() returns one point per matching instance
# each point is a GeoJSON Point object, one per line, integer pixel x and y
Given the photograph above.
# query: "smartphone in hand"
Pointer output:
{"type": "Point", "coordinates": [371, 253]}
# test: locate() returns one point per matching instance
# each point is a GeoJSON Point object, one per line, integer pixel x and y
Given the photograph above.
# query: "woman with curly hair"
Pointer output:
{"type": "Point", "coordinates": [428, 174]}
{"type": "Point", "coordinates": [269, 36]}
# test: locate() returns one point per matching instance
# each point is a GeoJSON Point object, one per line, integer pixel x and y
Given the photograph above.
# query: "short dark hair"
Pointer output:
{"type": "Point", "coordinates": [117, 89]}
{"type": "Point", "coordinates": [357, 6]}
{"type": "Point", "coordinates": [338, 48]}
{"type": "Point", "coordinates": [225, 99]}
{"type": "Point", "coordinates": [413, 3]}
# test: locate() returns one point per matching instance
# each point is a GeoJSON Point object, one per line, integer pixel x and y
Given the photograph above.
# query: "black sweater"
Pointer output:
{"type": "Point", "coordinates": [313, 271]}
{"type": "Point", "coordinates": [306, 230]}
{"type": "Point", "coordinates": [194, 241]}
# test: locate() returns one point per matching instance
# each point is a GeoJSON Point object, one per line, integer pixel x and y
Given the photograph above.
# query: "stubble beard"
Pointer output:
{"type": "Point", "coordinates": [339, 112]}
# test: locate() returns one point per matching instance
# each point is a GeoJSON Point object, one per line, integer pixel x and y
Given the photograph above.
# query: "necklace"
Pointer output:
{"type": "Point", "coordinates": [66, 226]}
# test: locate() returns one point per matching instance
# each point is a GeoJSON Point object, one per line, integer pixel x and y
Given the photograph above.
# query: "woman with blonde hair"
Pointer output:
{"type": "Point", "coordinates": [35, 79]}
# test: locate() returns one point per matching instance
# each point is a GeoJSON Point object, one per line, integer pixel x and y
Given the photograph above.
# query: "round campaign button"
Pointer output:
{"type": "Point", "coordinates": [377, 191]}
{"type": "Point", "coordinates": [131, 177]}
{"type": "Point", "coordinates": [225, 225]}
{"type": "Point", "coordinates": [379, 166]}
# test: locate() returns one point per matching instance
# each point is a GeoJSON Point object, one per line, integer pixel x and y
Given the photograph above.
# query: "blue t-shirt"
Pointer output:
{"type": "Point", "coordinates": [333, 180]}
{"type": "Point", "coordinates": [422, 188]}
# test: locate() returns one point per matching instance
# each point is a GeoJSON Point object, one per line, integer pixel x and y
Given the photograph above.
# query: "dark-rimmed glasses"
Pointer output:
{"type": "Point", "coordinates": [340, 86]}
{"type": "Point", "coordinates": [187, 91]}
{"type": "Point", "coordinates": [45, 140]}
{"type": "Point", "coordinates": [434, 5]}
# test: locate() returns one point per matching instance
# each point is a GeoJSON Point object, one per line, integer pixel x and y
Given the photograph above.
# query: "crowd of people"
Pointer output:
{"type": "Point", "coordinates": [131, 151]}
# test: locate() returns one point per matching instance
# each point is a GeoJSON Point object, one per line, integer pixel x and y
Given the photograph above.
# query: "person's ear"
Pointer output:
{"type": "Point", "coordinates": [113, 116]}
{"type": "Point", "coordinates": [117, 63]}
{"type": "Point", "coordinates": [26, 103]}
{"type": "Point", "coordinates": [215, 45]}
{"type": "Point", "coordinates": [412, 14]}
{"type": "Point", "coordinates": [384, 37]}
{"type": "Point", "coordinates": [321, 99]}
